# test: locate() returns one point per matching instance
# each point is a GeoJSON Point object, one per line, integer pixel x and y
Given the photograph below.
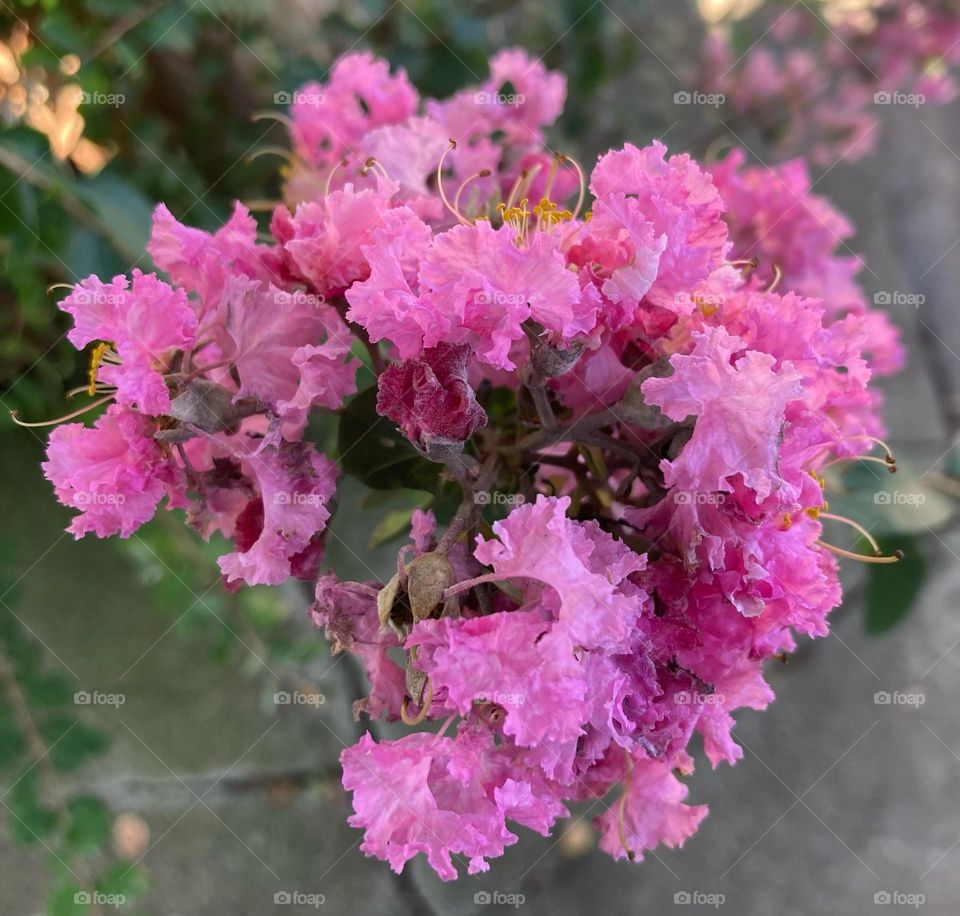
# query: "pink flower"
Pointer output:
{"type": "Point", "coordinates": [387, 303]}
{"type": "Point", "coordinates": [536, 98]}
{"type": "Point", "coordinates": [331, 119]}
{"type": "Point", "coordinates": [585, 569]}
{"type": "Point", "coordinates": [295, 483]}
{"type": "Point", "coordinates": [327, 372]}
{"type": "Point", "coordinates": [680, 201]}
{"type": "Point", "coordinates": [739, 400]}
{"type": "Point", "coordinates": [654, 812]}
{"type": "Point", "coordinates": [324, 240]}
{"type": "Point", "coordinates": [507, 659]}
{"type": "Point", "coordinates": [349, 618]}
{"type": "Point", "coordinates": [483, 286]}
{"type": "Point", "coordinates": [204, 262]}
{"type": "Point", "coordinates": [265, 337]}
{"type": "Point", "coordinates": [144, 323]}
{"type": "Point", "coordinates": [630, 247]}
{"type": "Point", "coordinates": [439, 796]}
{"type": "Point", "coordinates": [114, 472]}
{"type": "Point", "coordinates": [429, 398]}
{"type": "Point", "coordinates": [409, 153]}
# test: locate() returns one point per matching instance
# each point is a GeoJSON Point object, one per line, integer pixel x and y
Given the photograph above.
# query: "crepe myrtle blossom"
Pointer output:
{"type": "Point", "coordinates": [657, 381]}
{"type": "Point", "coordinates": [812, 81]}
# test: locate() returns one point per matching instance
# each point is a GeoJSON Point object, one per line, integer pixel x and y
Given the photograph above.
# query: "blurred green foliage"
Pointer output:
{"type": "Point", "coordinates": [42, 740]}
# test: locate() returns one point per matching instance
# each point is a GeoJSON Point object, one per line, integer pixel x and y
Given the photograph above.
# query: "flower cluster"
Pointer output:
{"type": "Point", "coordinates": [657, 386]}
{"type": "Point", "coordinates": [812, 78]}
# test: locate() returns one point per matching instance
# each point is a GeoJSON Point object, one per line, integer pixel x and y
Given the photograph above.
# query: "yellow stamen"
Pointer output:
{"type": "Point", "coordinates": [96, 358]}
{"type": "Point", "coordinates": [548, 212]}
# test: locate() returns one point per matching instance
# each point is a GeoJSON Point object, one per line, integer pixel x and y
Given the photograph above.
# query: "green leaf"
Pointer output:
{"type": "Point", "coordinates": [48, 691]}
{"type": "Point", "coordinates": [123, 880]}
{"type": "Point", "coordinates": [892, 589]}
{"type": "Point", "coordinates": [72, 748]}
{"type": "Point", "coordinates": [68, 899]}
{"type": "Point", "coordinates": [124, 212]}
{"type": "Point", "coordinates": [30, 819]}
{"type": "Point", "coordinates": [89, 825]}
{"type": "Point", "coordinates": [374, 451]}
{"type": "Point", "coordinates": [12, 744]}
{"type": "Point", "coordinates": [392, 525]}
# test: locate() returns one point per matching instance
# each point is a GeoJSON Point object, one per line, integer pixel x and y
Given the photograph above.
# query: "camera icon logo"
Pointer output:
{"type": "Point", "coordinates": [682, 97]}
{"type": "Point", "coordinates": [282, 897]}
{"type": "Point", "coordinates": [281, 698]}
{"type": "Point", "coordinates": [482, 897]}
{"type": "Point", "coordinates": [282, 98]}
{"type": "Point", "coordinates": [82, 898]}
{"type": "Point", "coordinates": [681, 897]}
{"type": "Point", "coordinates": [882, 897]}
{"type": "Point", "coordinates": [882, 698]}
{"type": "Point", "coordinates": [882, 97]}
{"type": "Point", "coordinates": [82, 698]}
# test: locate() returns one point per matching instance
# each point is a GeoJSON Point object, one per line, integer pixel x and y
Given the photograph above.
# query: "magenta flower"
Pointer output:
{"type": "Point", "coordinates": [430, 398]}
{"type": "Point", "coordinates": [114, 472]}
{"type": "Point", "coordinates": [142, 324]}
